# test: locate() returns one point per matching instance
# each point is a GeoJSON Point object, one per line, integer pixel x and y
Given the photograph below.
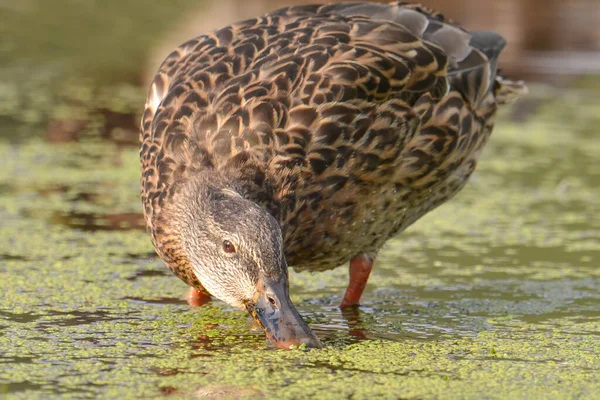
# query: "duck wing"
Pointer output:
{"type": "Point", "coordinates": [326, 99]}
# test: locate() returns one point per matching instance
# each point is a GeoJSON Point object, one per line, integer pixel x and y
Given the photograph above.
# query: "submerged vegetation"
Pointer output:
{"type": "Point", "coordinates": [499, 288]}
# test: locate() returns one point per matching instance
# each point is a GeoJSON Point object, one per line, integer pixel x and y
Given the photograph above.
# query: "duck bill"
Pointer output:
{"type": "Point", "coordinates": [273, 310]}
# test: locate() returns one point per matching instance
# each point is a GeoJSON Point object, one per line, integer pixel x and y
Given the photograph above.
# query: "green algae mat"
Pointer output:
{"type": "Point", "coordinates": [496, 294]}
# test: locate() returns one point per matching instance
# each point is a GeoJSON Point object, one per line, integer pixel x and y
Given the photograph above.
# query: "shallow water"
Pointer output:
{"type": "Point", "coordinates": [495, 294]}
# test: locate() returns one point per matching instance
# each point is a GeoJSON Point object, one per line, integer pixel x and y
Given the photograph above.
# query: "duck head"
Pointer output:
{"type": "Point", "coordinates": [235, 249]}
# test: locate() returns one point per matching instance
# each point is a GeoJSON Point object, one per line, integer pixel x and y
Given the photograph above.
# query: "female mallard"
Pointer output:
{"type": "Point", "coordinates": [309, 137]}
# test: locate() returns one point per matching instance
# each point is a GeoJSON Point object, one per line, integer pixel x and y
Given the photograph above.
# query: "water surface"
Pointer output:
{"type": "Point", "coordinates": [495, 294]}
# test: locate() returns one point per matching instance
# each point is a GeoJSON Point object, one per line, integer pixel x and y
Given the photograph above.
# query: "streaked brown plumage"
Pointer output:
{"type": "Point", "coordinates": [345, 122]}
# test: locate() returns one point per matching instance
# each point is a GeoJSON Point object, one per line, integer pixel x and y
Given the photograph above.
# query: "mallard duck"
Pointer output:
{"type": "Point", "coordinates": [307, 138]}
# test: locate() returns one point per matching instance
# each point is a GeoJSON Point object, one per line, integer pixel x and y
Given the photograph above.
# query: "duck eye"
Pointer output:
{"type": "Point", "coordinates": [228, 247]}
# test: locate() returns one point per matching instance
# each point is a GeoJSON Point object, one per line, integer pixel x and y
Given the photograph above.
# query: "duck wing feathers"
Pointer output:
{"type": "Point", "coordinates": [329, 116]}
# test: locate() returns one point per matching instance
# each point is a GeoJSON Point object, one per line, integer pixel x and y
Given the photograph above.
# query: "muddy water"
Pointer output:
{"type": "Point", "coordinates": [496, 293]}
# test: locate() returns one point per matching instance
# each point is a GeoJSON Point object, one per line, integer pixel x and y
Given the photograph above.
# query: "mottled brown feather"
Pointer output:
{"type": "Point", "coordinates": [347, 122]}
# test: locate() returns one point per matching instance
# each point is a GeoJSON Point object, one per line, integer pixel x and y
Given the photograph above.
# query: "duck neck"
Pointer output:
{"type": "Point", "coordinates": [204, 184]}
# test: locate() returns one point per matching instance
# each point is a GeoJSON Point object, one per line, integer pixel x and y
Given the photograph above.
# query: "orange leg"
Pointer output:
{"type": "Point", "coordinates": [360, 268]}
{"type": "Point", "coordinates": [196, 298]}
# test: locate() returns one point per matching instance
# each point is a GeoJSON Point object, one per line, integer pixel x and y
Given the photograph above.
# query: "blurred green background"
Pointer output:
{"type": "Point", "coordinates": [78, 59]}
